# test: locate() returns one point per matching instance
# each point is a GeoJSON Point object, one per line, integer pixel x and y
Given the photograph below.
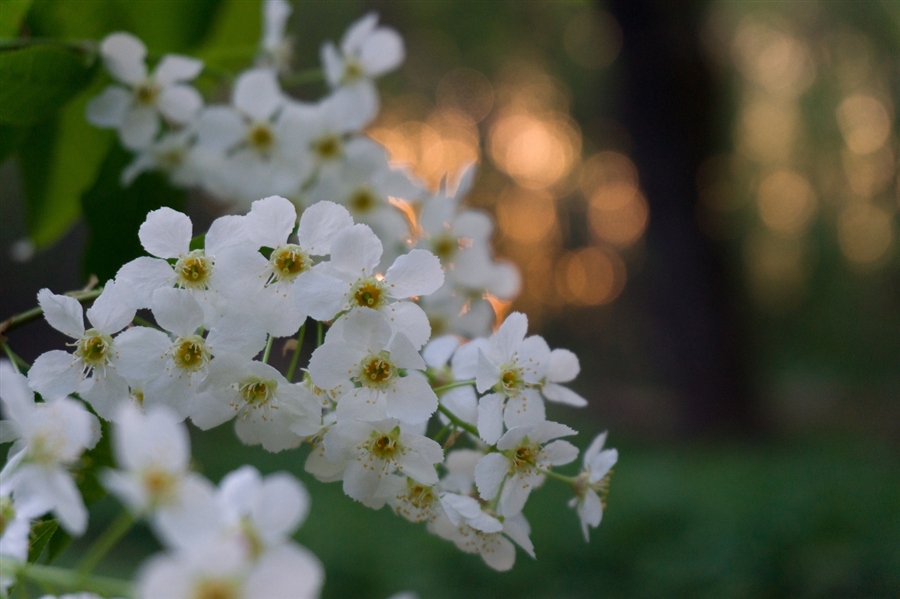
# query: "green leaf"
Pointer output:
{"type": "Point", "coordinates": [10, 139]}
{"type": "Point", "coordinates": [233, 38]}
{"type": "Point", "coordinates": [38, 81]}
{"type": "Point", "coordinates": [11, 16]}
{"type": "Point", "coordinates": [40, 535]}
{"type": "Point", "coordinates": [170, 26]}
{"type": "Point", "coordinates": [57, 544]}
{"type": "Point", "coordinates": [59, 162]}
{"type": "Point", "coordinates": [114, 214]}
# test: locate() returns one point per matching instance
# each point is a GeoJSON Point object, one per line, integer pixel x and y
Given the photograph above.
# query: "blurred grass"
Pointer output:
{"type": "Point", "coordinates": [817, 518]}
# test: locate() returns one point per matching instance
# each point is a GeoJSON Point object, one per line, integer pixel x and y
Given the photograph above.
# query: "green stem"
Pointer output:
{"type": "Point", "coordinates": [449, 386]}
{"type": "Point", "coordinates": [29, 315]}
{"type": "Point", "coordinates": [441, 432]}
{"type": "Point", "coordinates": [320, 333]}
{"type": "Point", "coordinates": [107, 541]}
{"type": "Point", "coordinates": [144, 322]}
{"type": "Point", "coordinates": [268, 350]}
{"type": "Point", "coordinates": [457, 420]}
{"type": "Point", "coordinates": [496, 500]}
{"type": "Point", "coordinates": [290, 372]}
{"type": "Point", "coordinates": [12, 357]}
{"type": "Point", "coordinates": [560, 477]}
{"type": "Point", "coordinates": [67, 579]}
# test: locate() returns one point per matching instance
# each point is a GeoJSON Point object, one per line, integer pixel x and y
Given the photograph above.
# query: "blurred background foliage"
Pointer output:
{"type": "Point", "coordinates": [702, 198]}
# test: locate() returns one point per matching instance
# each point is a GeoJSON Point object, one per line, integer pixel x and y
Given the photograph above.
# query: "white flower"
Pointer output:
{"type": "Point", "coordinates": [170, 369]}
{"type": "Point", "coordinates": [135, 110]}
{"type": "Point", "coordinates": [167, 235]}
{"type": "Point", "coordinates": [362, 356]}
{"type": "Point", "coordinates": [366, 51]}
{"type": "Point", "coordinates": [349, 283]}
{"type": "Point", "coordinates": [268, 410]}
{"type": "Point", "coordinates": [474, 531]}
{"type": "Point", "coordinates": [264, 148]}
{"type": "Point", "coordinates": [374, 450]}
{"type": "Point", "coordinates": [153, 452]}
{"type": "Point", "coordinates": [268, 284]}
{"type": "Point", "coordinates": [261, 512]}
{"type": "Point", "coordinates": [223, 570]}
{"type": "Point", "coordinates": [91, 369]}
{"type": "Point", "coordinates": [592, 483]}
{"type": "Point", "coordinates": [47, 439]}
{"type": "Point", "coordinates": [517, 468]}
{"type": "Point", "coordinates": [173, 153]}
{"type": "Point", "coordinates": [277, 51]}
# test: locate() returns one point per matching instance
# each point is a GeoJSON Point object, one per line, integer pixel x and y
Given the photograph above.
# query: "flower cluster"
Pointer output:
{"type": "Point", "coordinates": [411, 400]}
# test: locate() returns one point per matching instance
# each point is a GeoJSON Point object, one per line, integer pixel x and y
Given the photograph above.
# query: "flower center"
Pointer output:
{"type": "Point", "coordinates": [511, 380]}
{"type": "Point", "coordinates": [190, 353]}
{"type": "Point", "coordinates": [376, 371]}
{"type": "Point", "coordinates": [385, 445]}
{"type": "Point", "coordinates": [160, 485]}
{"type": "Point", "coordinates": [352, 70]}
{"type": "Point", "coordinates": [215, 589]}
{"type": "Point", "coordinates": [146, 93]}
{"type": "Point", "coordinates": [288, 261]}
{"type": "Point", "coordinates": [369, 293]}
{"type": "Point", "coordinates": [525, 457]}
{"type": "Point", "coordinates": [362, 200]}
{"type": "Point", "coordinates": [261, 137]}
{"type": "Point", "coordinates": [444, 246]}
{"type": "Point", "coordinates": [93, 348]}
{"type": "Point", "coordinates": [257, 392]}
{"type": "Point", "coordinates": [328, 147]}
{"type": "Point", "coordinates": [194, 270]}
{"type": "Point", "coordinates": [171, 158]}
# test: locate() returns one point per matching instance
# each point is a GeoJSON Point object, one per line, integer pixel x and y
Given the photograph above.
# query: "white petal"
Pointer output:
{"type": "Point", "coordinates": [413, 402]}
{"type": "Point", "coordinates": [281, 507]}
{"type": "Point", "coordinates": [166, 233]}
{"type": "Point", "coordinates": [561, 394]}
{"type": "Point", "coordinates": [358, 32]}
{"type": "Point", "coordinates": [382, 52]}
{"type": "Point", "coordinates": [123, 55]}
{"type": "Point", "coordinates": [220, 128]}
{"type": "Point", "coordinates": [176, 311]}
{"type": "Point", "coordinates": [509, 336]}
{"type": "Point", "coordinates": [54, 374]}
{"type": "Point", "coordinates": [270, 221]}
{"type": "Point", "coordinates": [490, 418]}
{"type": "Point", "coordinates": [332, 64]}
{"type": "Point", "coordinates": [225, 233]}
{"type": "Point", "coordinates": [180, 103]}
{"type": "Point", "coordinates": [320, 295]}
{"type": "Point", "coordinates": [501, 556]}
{"type": "Point", "coordinates": [356, 251]}
{"type": "Point", "coordinates": [563, 366]}
{"type": "Point", "coordinates": [137, 347]}
{"type": "Point", "coordinates": [332, 364]}
{"type": "Point", "coordinates": [174, 69]}
{"type": "Point", "coordinates": [517, 529]}
{"type": "Point", "coordinates": [238, 334]}
{"type": "Point", "coordinates": [489, 474]}
{"type": "Point", "coordinates": [525, 409]}
{"type": "Point", "coordinates": [62, 312]}
{"type": "Point", "coordinates": [439, 350]}
{"type": "Point", "coordinates": [138, 279]}
{"type": "Point", "coordinates": [287, 571]}
{"type": "Point", "coordinates": [319, 224]}
{"type": "Point", "coordinates": [404, 354]}
{"type": "Point", "coordinates": [139, 127]}
{"type": "Point", "coordinates": [602, 463]}
{"type": "Point", "coordinates": [560, 453]}
{"type": "Point", "coordinates": [111, 311]}
{"type": "Point", "coordinates": [257, 94]}
{"type": "Point", "coordinates": [590, 511]}
{"type": "Point", "coordinates": [416, 273]}
{"type": "Point", "coordinates": [108, 109]}
{"type": "Point", "coordinates": [408, 319]}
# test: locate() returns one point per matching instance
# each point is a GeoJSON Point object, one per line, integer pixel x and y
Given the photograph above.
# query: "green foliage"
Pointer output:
{"type": "Point", "coordinates": [41, 533]}
{"type": "Point", "coordinates": [46, 88]}
{"type": "Point", "coordinates": [59, 162]}
{"type": "Point", "coordinates": [114, 214]}
{"type": "Point", "coordinates": [37, 81]}
{"type": "Point", "coordinates": [12, 15]}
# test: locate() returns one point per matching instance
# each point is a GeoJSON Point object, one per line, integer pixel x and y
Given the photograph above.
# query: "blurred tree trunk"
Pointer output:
{"type": "Point", "coordinates": [667, 103]}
